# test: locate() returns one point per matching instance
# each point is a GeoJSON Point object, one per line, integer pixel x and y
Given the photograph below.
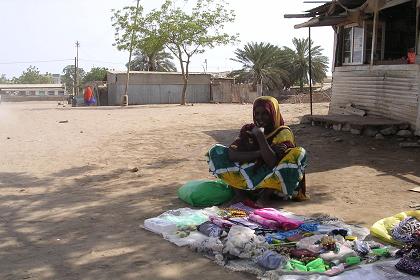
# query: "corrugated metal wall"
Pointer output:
{"type": "Point", "coordinates": [157, 88]}
{"type": "Point", "coordinates": [390, 91]}
{"type": "Point", "coordinates": [159, 94]}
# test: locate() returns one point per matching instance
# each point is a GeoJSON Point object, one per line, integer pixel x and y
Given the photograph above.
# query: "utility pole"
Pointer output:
{"type": "Point", "coordinates": [75, 77]}
{"type": "Point", "coordinates": [124, 101]}
{"type": "Point", "coordinates": [77, 67]}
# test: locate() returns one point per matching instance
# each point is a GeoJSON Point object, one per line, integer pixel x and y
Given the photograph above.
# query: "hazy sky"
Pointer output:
{"type": "Point", "coordinates": [46, 30]}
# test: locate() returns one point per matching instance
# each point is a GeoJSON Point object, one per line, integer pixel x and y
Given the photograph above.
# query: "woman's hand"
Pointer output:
{"type": "Point", "coordinates": [258, 133]}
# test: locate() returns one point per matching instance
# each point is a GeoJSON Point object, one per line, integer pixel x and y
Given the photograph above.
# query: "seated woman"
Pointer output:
{"type": "Point", "coordinates": [264, 156]}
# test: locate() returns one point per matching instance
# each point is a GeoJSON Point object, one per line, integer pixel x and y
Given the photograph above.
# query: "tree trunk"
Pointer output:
{"type": "Point", "coordinates": [301, 84]}
{"type": "Point", "coordinates": [184, 90]}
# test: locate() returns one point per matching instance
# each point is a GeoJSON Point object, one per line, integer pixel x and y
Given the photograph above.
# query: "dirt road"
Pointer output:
{"type": "Point", "coordinates": [70, 208]}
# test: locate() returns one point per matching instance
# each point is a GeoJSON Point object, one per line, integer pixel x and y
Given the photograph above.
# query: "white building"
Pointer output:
{"type": "Point", "coordinates": [33, 89]}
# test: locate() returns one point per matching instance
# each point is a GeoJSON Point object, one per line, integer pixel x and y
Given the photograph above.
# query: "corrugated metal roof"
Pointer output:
{"type": "Point", "coordinates": [322, 21]}
{"type": "Point", "coordinates": [28, 86]}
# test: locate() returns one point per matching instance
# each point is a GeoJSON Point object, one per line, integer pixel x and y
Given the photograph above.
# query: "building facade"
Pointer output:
{"type": "Point", "coordinates": [376, 66]}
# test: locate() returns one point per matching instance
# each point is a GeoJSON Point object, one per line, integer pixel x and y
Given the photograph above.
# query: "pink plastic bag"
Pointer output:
{"type": "Point", "coordinates": [264, 222]}
{"type": "Point", "coordinates": [284, 222]}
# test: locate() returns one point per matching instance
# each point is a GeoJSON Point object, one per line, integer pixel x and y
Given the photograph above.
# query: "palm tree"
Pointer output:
{"type": "Point", "coordinates": [160, 61]}
{"type": "Point", "coordinates": [262, 63]}
{"type": "Point", "coordinates": [300, 58]}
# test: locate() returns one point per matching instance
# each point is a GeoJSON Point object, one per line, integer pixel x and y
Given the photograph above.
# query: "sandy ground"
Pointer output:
{"type": "Point", "coordinates": [71, 209]}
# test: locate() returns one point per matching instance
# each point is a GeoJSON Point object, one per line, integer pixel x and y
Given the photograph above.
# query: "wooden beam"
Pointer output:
{"type": "Point", "coordinates": [417, 28]}
{"type": "Point", "coordinates": [299, 15]}
{"type": "Point", "coordinates": [374, 39]}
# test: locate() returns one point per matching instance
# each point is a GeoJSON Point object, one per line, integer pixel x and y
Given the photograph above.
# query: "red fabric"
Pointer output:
{"type": "Point", "coordinates": [88, 94]}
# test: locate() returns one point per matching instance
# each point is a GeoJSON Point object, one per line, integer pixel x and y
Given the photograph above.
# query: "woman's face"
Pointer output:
{"type": "Point", "coordinates": [262, 117]}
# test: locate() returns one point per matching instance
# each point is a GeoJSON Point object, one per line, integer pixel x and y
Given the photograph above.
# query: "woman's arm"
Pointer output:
{"type": "Point", "coordinates": [242, 157]}
{"type": "Point", "coordinates": [267, 154]}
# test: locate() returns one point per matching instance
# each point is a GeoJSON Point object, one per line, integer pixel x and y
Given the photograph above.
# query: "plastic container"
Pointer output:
{"type": "Point", "coordinates": [353, 260]}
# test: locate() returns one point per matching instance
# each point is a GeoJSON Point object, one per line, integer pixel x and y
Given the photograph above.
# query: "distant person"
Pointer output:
{"type": "Point", "coordinates": [88, 96]}
{"type": "Point", "coordinates": [263, 157]}
{"type": "Point", "coordinates": [411, 56]}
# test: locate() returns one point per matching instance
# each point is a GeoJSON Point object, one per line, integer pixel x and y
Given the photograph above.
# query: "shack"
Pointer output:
{"type": "Point", "coordinates": [157, 87]}
{"type": "Point", "coordinates": [376, 66]}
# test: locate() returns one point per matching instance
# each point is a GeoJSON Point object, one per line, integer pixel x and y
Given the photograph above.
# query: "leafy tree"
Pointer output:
{"type": "Point", "coordinates": [300, 58]}
{"type": "Point", "coordinates": [68, 77]}
{"type": "Point", "coordinates": [262, 63]}
{"type": "Point", "coordinates": [161, 62]}
{"type": "Point", "coordinates": [95, 74]}
{"type": "Point", "coordinates": [147, 43]}
{"type": "Point", "coordinates": [33, 76]}
{"type": "Point", "coordinates": [3, 79]}
{"type": "Point", "coordinates": [181, 31]}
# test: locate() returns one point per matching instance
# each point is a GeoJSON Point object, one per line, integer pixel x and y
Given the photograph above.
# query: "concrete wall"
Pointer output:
{"type": "Point", "coordinates": [224, 91]}
{"type": "Point", "coordinates": [390, 91]}
{"type": "Point", "coordinates": [157, 88]}
{"type": "Point", "coordinates": [7, 98]}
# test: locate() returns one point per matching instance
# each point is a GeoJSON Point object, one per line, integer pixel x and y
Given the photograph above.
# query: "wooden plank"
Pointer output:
{"type": "Point", "coordinates": [416, 189]}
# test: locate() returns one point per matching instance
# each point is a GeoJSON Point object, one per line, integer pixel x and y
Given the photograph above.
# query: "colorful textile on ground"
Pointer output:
{"type": "Point", "coordinates": [382, 228]}
{"type": "Point", "coordinates": [405, 229]}
{"type": "Point", "coordinates": [242, 206]}
{"type": "Point", "coordinates": [284, 177]}
{"type": "Point", "coordinates": [409, 265]}
{"type": "Point", "coordinates": [284, 222]}
{"type": "Point", "coordinates": [245, 249]}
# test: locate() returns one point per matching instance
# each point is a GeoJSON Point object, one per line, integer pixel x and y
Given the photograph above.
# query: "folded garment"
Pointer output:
{"type": "Point", "coordinates": [282, 235]}
{"type": "Point", "coordinates": [303, 255]}
{"type": "Point", "coordinates": [340, 255]}
{"type": "Point", "coordinates": [246, 222]}
{"type": "Point", "coordinates": [271, 224]}
{"type": "Point", "coordinates": [404, 231]}
{"type": "Point", "coordinates": [210, 229]}
{"type": "Point", "coordinates": [271, 260]}
{"type": "Point", "coordinates": [361, 247]}
{"type": "Point", "coordinates": [409, 265]}
{"type": "Point", "coordinates": [242, 206]}
{"type": "Point", "coordinates": [273, 214]}
{"type": "Point", "coordinates": [309, 227]}
{"type": "Point", "coordinates": [220, 222]}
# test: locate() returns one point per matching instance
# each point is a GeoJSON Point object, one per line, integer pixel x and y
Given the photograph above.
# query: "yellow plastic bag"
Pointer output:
{"type": "Point", "coordinates": [381, 228]}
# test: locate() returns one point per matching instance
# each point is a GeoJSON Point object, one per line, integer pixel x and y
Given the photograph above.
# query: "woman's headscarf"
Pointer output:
{"type": "Point", "coordinates": [271, 105]}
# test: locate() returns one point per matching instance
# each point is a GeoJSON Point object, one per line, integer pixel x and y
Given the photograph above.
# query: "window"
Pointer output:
{"type": "Point", "coordinates": [61, 92]}
{"type": "Point", "coordinates": [41, 93]}
{"type": "Point", "coordinates": [353, 40]}
{"type": "Point", "coordinates": [379, 52]}
{"type": "Point", "coordinates": [51, 92]}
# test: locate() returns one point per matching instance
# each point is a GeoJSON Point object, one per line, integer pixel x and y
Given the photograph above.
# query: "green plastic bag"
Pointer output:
{"type": "Point", "coordinates": [205, 193]}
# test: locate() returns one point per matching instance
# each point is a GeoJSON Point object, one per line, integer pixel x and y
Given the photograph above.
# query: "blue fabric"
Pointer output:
{"type": "Point", "coordinates": [282, 235]}
{"type": "Point", "coordinates": [309, 227]}
{"type": "Point", "coordinates": [271, 260]}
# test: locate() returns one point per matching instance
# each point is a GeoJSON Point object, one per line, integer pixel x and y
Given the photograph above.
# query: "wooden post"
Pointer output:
{"type": "Point", "coordinates": [310, 70]}
{"type": "Point", "coordinates": [375, 27]}
{"type": "Point", "coordinates": [417, 27]}
{"type": "Point", "coordinates": [77, 67]}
